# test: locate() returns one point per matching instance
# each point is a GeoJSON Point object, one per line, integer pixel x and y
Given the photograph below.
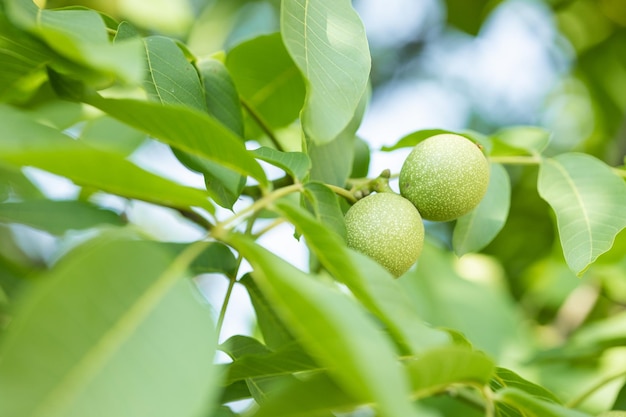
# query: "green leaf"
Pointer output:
{"type": "Point", "coordinates": [186, 129]}
{"type": "Point", "coordinates": [268, 81]}
{"type": "Point", "coordinates": [322, 202]}
{"type": "Point", "coordinates": [531, 406]}
{"type": "Point", "coordinates": [170, 78]}
{"type": "Point", "coordinates": [23, 60]}
{"type": "Point", "coordinates": [27, 143]}
{"type": "Point", "coordinates": [80, 36]}
{"type": "Point", "coordinates": [221, 96]}
{"type": "Point", "coordinates": [533, 140]}
{"type": "Point", "coordinates": [287, 360]}
{"type": "Point", "coordinates": [371, 283]}
{"type": "Point", "coordinates": [590, 205]}
{"type": "Point", "coordinates": [327, 41]}
{"type": "Point", "coordinates": [109, 135]}
{"type": "Point", "coordinates": [57, 217]}
{"type": "Point", "coordinates": [478, 228]}
{"type": "Point", "coordinates": [274, 331]}
{"type": "Point", "coordinates": [506, 378]}
{"type": "Point", "coordinates": [108, 317]}
{"type": "Point", "coordinates": [296, 164]}
{"type": "Point", "coordinates": [316, 396]}
{"type": "Point", "coordinates": [334, 330]}
{"type": "Point", "coordinates": [361, 161]}
{"type": "Point", "coordinates": [435, 370]}
{"type": "Point", "coordinates": [215, 258]}
{"type": "Point", "coordinates": [416, 137]}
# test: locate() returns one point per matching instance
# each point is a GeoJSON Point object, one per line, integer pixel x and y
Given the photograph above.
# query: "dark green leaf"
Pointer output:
{"type": "Point", "coordinates": [414, 138]}
{"type": "Point", "coordinates": [221, 96]}
{"type": "Point", "coordinates": [506, 378]}
{"type": "Point", "coordinates": [274, 331]}
{"type": "Point", "coordinates": [479, 227]}
{"type": "Point", "coordinates": [590, 205]}
{"type": "Point", "coordinates": [110, 316]}
{"type": "Point", "coordinates": [327, 41]}
{"type": "Point", "coordinates": [57, 217]}
{"type": "Point", "coordinates": [215, 258]}
{"type": "Point", "coordinates": [323, 203]}
{"type": "Point", "coordinates": [361, 161]}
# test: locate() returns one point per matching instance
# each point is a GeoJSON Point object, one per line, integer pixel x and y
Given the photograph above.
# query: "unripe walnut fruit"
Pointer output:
{"type": "Point", "coordinates": [387, 228]}
{"type": "Point", "coordinates": [445, 177]}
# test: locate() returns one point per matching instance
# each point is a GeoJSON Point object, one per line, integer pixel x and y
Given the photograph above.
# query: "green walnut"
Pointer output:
{"type": "Point", "coordinates": [445, 177]}
{"type": "Point", "coordinates": [387, 228]}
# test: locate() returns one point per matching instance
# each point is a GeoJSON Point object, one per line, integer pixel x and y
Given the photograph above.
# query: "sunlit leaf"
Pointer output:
{"type": "Point", "coordinates": [323, 203]}
{"type": "Point", "coordinates": [333, 329]}
{"type": "Point", "coordinates": [326, 39]}
{"type": "Point", "coordinates": [57, 217]}
{"type": "Point", "coordinates": [477, 229]}
{"type": "Point", "coordinates": [80, 36]}
{"type": "Point", "coordinates": [590, 205]}
{"type": "Point", "coordinates": [113, 329]}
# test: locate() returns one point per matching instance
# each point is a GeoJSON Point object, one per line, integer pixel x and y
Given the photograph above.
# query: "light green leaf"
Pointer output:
{"type": "Point", "coordinates": [109, 135]}
{"type": "Point", "coordinates": [326, 39]}
{"type": "Point", "coordinates": [270, 85]}
{"type": "Point", "coordinates": [371, 283]}
{"type": "Point", "coordinates": [590, 205]}
{"type": "Point", "coordinates": [531, 139]}
{"type": "Point", "coordinates": [186, 129]}
{"type": "Point", "coordinates": [27, 143]}
{"type": "Point", "coordinates": [215, 258]}
{"type": "Point", "coordinates": [437, 369]}
{"type": "Point", "coordinates": [531, 406]}
{"type": "Point", "coordinates": [296, 164]}
{"type": "Point", "coordinates": [57, 217]}
{"type": "Point", "coordinates": [170, 78]}
{"type": "Point", "coordinates": [333, 328]}
{"type": "Point", "coordinates": [113, 329]}
{"type": "Point", "coordinates": [221, 96]}
{"type": "Point", "coordinates": [477, 229]}
{"type": "Point", "coordinates": [80, 36]}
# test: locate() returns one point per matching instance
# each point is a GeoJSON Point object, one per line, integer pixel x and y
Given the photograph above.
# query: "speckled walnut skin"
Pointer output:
{"type": "Point", "coordinates": [387, 228]}
{"type": "Point", "coordinates": [445, 177]}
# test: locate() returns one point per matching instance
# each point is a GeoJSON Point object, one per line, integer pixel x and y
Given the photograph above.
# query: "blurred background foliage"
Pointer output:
{"type": "Point", "coordinates": [463, 64]}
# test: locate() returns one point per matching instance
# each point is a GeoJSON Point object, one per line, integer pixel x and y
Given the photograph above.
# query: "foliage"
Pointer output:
{"type": "Point", "coordinates": [491, 321]}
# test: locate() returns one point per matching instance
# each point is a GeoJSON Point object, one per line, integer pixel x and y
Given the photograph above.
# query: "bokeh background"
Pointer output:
{"type": "Point", "coordinates": [479, 65]}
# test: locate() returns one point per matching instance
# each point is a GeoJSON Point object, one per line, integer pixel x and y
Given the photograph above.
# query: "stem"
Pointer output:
{"type": "Point", "coordinates": [582, 397]}
{"type": "Point", "coordinates": [342, 192]}
{"type": "Point", "coordinates": [269, 227]}
{"type": "Point", "coordinates": [231, 284]}
{"type": "Point", "coordinates": [219, 229]}
{"type": "Point", "coordinates": [516, 160]}
{"type": "Point", "coordinates": [261, 123]}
